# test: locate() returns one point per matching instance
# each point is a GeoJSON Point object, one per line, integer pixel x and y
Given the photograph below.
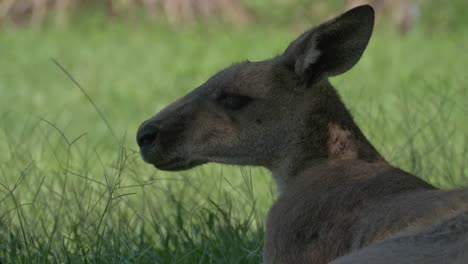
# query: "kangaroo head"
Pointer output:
{"type": "Point", "coordinates": [279, 113]}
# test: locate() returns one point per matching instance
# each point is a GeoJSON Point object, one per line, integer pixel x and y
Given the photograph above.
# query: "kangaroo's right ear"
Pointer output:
{"type": "Point", "coordinates": [333, 47]}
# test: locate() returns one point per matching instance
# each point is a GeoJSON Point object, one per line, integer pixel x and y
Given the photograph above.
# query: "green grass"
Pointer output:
{"type": "Point", "coordinates": [72, 192]}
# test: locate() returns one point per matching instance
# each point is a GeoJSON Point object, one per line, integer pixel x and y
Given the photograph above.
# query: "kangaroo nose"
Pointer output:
{"type": "Point", "coordinates": [147, 134]}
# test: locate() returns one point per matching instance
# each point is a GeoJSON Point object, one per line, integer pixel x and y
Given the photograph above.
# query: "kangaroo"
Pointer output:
{"type": "Point", "coordinates": [337, 194]}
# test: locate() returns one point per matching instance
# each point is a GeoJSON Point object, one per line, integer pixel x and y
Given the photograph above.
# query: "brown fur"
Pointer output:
{"type": "Point", "coordinates": [341, 143]}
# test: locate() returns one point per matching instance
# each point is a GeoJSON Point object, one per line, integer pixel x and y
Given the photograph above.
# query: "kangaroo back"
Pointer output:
{"type": "Point", "coordinates": [444, 243]}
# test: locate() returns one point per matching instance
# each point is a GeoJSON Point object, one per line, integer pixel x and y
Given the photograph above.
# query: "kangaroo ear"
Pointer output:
{"type": "Point", "coordinates": [333, 47]}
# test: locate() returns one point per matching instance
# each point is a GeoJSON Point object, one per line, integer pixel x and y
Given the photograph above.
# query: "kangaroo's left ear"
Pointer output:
{"type": "Point", "coordinates": [333, 47]}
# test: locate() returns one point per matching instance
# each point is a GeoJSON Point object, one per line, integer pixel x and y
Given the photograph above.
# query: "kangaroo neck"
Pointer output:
{"type": "Point", "coordinates": [329, 136]}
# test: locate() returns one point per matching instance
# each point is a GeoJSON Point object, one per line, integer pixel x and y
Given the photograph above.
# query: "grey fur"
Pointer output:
{"type": "Point", "coordinates": [444, 243]}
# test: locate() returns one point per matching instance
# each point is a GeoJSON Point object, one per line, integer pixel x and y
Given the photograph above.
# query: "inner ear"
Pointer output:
{"type": "Point", "coordinates": [333, 47]}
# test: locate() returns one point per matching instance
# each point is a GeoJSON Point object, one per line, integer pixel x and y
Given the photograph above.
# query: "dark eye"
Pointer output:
{"type": "Point", "coordinates": [233, 101]}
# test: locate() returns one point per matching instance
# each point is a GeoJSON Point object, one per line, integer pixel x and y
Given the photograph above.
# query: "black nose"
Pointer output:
{"type": "Point", "coordinates": [147, 134]}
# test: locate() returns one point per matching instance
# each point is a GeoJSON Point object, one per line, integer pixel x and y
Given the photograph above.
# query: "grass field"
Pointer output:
{"type": "Point", "coordinates": [74, 190]}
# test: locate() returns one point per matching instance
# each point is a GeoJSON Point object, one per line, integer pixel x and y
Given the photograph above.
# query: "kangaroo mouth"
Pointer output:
{"type": "Point", "coordinates": [171, 164]}
{"type": "Point", "coordinates": [177, 164]}
{"type": "Point", "coordinates": [166, 163]}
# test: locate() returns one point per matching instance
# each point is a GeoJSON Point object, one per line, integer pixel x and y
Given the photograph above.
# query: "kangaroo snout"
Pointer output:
{"type": "Point", "coordinates": [147, 134]}
{"type": "Point", "coordinates": [160, 143]}
{"type": "Point", "coordinates": [162, 138]}
{"type": "Point", "coordinates": [146, 137]}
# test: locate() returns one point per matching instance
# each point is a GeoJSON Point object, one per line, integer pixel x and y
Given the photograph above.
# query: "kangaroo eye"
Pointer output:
{"type": "Point", "coordinates": [233, 101]}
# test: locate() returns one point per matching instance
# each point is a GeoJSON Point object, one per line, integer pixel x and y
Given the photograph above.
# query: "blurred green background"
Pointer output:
{"type": "Point", "coordinates": [73, 189]}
